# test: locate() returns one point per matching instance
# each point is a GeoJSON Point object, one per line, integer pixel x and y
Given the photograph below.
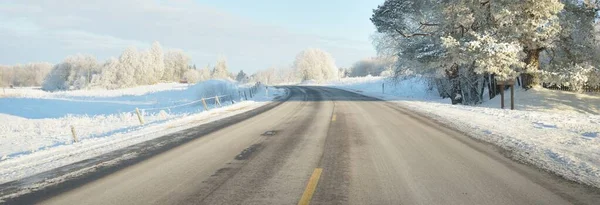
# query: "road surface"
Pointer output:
{"type": "Point", "coordinates": [328, 146]}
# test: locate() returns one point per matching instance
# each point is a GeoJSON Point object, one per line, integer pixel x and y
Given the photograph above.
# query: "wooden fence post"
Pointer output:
{"type": "Point", "coordinates": [217, 101]}
{"type": "Point", "coordinates": [74, 134]}
{"type": "Point", "coordinates": [140, 117]}
{"type": "Point", "coordinates": [204, 104]}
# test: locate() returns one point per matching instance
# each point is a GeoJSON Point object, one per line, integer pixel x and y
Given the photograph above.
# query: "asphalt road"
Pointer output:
{"type": "Point", "coordinates": [327, 146]}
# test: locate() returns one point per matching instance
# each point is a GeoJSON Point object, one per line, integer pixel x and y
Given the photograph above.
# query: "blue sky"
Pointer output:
{"type": "Point", "coordinates": [251, 35]}
{"type": "Point", "coordinates": [335, 18]}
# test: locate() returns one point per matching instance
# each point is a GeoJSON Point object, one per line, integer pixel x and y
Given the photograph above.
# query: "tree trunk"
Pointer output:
{"type": "Point", "coordinates": [533, 61]}
{"type": "Point", "coordinates": [455, 91]}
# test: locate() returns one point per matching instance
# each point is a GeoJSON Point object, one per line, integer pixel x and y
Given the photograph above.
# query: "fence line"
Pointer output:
{"type": "Point", "coordinates": [185, 104]}
{"type": "Point", "coordinates": [251, 90]}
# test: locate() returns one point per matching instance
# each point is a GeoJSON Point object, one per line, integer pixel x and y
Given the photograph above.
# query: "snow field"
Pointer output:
{"type": "Point", "coordinates": [553, 130]}
{"type": "Point", "coordinates": [32, 142]}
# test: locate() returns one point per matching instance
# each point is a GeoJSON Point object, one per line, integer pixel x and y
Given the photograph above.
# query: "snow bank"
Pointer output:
{"type": "Point", "coordinates": [411, 88]}
{"type": "Point", "coordinates": [554, 130]}
{"type": "Point", "coordinates": [34, 131]}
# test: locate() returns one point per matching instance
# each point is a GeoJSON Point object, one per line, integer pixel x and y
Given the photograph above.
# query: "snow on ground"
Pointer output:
{"type": "Point", "coordinates": [554, 101]}
{"type": "Point", "coordinates": [555, 130]}
{"type": "Point", "coordinates": [35, 133]}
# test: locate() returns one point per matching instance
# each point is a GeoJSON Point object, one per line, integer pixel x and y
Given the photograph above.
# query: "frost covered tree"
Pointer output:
{"type": "Point", "coordinates": [315, 64]}
{"type": "Point", "coordinates": [156, 62]}
{"type": "Point", "coordinates": [220, 71]}
{"type": "Point", "coordinates": [29, 74]}
{"type": "Point", "coordinates": [128, 64]}
{"type": "Point", "coordinates": [573, 60]}
{"type": "Point", "coordinates": [176, 64]}
{"type": "Point", "coordinates": [440, 40]}
{"type": "Point", "coordinates": [205, 73]}
{"type": "Point", "coordinates": [273, 76]}
{"type": "Point", "coordinates": [192, 76]}
{"type": "Point", "coordinates": [109, 77]}
{"type": "Point", "coordinates": [371, 66]}
{"type": "Point", "coordinates": [536, 26]}
{"type": "Point", "coordinates": [241, 77]}
{"type": "Point", "coordinates": [132, 68]}
{"type": "Point", "coordinates": [75, 72]}
{"type": "Point", "coordinates": [145, 70]}
{"type": "Point", "coordinates": [57, 78]}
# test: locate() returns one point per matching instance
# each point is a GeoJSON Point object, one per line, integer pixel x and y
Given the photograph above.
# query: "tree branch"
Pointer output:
{"type": "Point", "coordinates": [411, 35]}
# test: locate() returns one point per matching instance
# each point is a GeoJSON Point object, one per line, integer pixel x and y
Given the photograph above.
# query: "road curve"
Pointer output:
{"type": "Point", "coordinates": [328, 146]}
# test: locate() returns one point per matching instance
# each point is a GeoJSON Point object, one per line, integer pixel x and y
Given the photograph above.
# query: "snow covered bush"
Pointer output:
{"type": "Point", "coordinates": [372, 66]}
{"type": "Point", "coordinates": [315, 64]}
{"type": "Point", "coordinates": [575, 76]}
{"type": "Point", "coordinates": [74, 73]}
{"type": "Point", "coordinates": [192, 76]}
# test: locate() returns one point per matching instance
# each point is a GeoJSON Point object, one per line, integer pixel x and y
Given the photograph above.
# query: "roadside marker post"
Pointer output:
{"type": "Point", "coordinates": [140, 117]}
{"type": "Point", "coordinates": [511, 84]}
{"type": "Point", "coordinates": [74, 134]}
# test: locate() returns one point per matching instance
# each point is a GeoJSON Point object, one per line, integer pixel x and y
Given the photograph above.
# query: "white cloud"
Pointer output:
{"type": "Point", "coordinates": [104, 28]}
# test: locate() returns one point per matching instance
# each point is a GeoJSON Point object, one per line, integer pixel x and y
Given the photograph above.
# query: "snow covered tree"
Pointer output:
{"type": "Point", "coordinates": [132, 68]}
{"type": "Point", "coordinates": [220, 71]}
{"type": "Point", "coordinates": [315, 64]}
{"type": "Point", "coordinates": [30, 74]}
{"type": "Point", "coordinates": [74, 73]}
{"type": "Point", "coordinates": [176, 64]}
{"type": "Point", "coordinates": [109, 77]}
{"type": "Point", "coordinates": [128, 62]}
{"type": "Point", "coordinates": [57, 78]}
{"type": "Point", "coordinates": [535, 24]}
{"type": "Point", "coordinates": [573, 60]}
{"type": "Point", "coordinates": [145, 69]}
{"type": "Point", "coordinates": [157, 62]}
{"type": "Point", "coordinates": [205, 73]}
{"type": "Point", "coordinates": [192, 76]}
{"type": "Point", "coordinates": [241, 77]}
{"type": "Point", "coordinates": [416, 30]}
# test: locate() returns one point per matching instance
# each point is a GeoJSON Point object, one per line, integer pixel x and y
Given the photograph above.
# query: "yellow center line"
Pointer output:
{"type": "Point", "coordinates": [333, 118]}
{"type": "Point", "coordinates": [311, 187]}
